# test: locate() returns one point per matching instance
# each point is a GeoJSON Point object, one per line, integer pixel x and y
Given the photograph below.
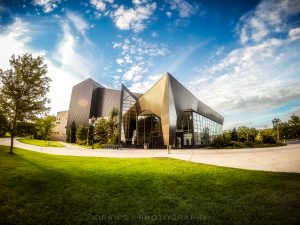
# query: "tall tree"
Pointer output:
{"type": "Point", "coordinates": [294, 123]}
{"type": "Point", "coordinates": [44, 127]}
{"type": "Point", "coordinates": [23, 90]}
{"type": "Point", "coordinates": [101, 130]}
{"type": "Point", "coordinates": [243, 133]}
{"type": "Point", "coordinates": [113, 124]}
{"type": "Point", "coordinates": [114, 112]}
{"type": "Point", "coordinates": [234, 135]}
{"type": "Point", "coordinates": [81, 135]}
{"type": "Point", "coordinates": [276, 123]}
{"type": "Point", "coordinates": [3, 124]}
{"type": "Point", "coordinates": [72, 132]}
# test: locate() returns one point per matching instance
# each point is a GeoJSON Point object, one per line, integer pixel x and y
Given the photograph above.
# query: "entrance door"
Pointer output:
{"type": "Point", "coordinates": [178, 142]}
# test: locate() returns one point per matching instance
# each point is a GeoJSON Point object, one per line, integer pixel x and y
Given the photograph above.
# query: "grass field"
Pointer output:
{"type": "Point", "coordinates": [40, 142]}
{"type": "Point", "coordinates": [38, 188]}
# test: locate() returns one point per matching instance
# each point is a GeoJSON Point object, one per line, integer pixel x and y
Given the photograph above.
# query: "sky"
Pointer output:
{"type": "Point", "coordinates": [242, 58]}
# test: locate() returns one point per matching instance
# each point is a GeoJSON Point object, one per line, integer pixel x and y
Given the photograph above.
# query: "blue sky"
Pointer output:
{"type": "Point", "coordinates": [242, 58]}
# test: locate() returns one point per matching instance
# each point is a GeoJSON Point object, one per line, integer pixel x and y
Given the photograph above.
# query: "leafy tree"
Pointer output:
{"type": "Point", "coordinates": [294, 123]}
{"type": "Point", "coordinates": [227, 135]}
{"type": "Point", "coordinates": [81, 135]}
{"type": "Point", "coordinates": [26, 129]}
{"type": "Point", "coordinates": [23, 90]}
{"type": "Point", "coordinates": [72, 133]}
{"type": "Point", "coordinates": [113, 126]}
{"type": "Point", "coordinates": [252, 134]}
{"type": "Point", "coordinates": [3, 124]}
{"type": "Point", "coordinates": [266, 136]}
{"type": "Point", "coordinates": [276, 122]}
{"type": "Point", "coordinates": [101, 130]}
{"type": "Point", "coordinates": [243, 133]}
{"type": "Point", "coordinates": [114, 113]}
{"type": "Point", "coordinates": [219, 142]}
{"type": "Point", "coordinates": [234, 135]}
{"type": "Point", "coordinates": [44, 126]}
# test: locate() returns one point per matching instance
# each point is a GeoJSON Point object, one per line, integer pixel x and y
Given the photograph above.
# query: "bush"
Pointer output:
{"type": "Point", "coordinates": [219, 142]}
{"type": "Point", "coordinates": [81, 135]}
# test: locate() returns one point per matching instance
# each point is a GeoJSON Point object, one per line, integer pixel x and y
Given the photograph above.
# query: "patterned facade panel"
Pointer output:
{"type": "Point", "coordinates": [156, 100]}
{"type": "Point", "coordinates": [184, 100]}
{"type": "Point", "coordinates": [80, 102]}
{"type": "Point", "coordinates": [107, 99]}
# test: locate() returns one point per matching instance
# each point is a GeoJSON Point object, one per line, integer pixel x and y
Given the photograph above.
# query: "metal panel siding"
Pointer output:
{"type": "Point", "coordinates": [184, 100]}
{"type": "Point", "coordinates": [80, 102]}
{"type": "Point", "coordinates": [107, 99]}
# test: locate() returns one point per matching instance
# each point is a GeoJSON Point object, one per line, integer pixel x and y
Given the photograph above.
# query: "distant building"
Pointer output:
{"type": "Point", "coordinates": [59, 131]}
{"type": "Point", "coordinates": [167, 114]}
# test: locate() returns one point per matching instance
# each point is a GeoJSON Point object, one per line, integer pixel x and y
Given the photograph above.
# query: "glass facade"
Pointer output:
{"type": "Point", "coordinates": [149, 131]}
{"type": "Point", "coordinates": [128, 134]}
{"type": "Point", "coordinates": [197, 130]}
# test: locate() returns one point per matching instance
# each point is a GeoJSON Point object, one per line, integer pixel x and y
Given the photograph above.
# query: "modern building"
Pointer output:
{"type": "Point", "coordinates": [167, 114]}
{"type": "Point", "coordinates": [59, 130]}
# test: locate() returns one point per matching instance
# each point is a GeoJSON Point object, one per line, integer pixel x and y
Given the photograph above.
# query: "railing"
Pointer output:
{"type": "Point", "coordinates": [110, 146]}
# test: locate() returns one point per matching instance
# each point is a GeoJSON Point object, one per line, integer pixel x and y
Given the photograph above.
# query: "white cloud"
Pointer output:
{"type": "Point", "coordinates": [47, 5]}
{"type": "Point", "coordinates": [184, 8]}
{"type": "Point", "coordinates": [146, 84]}
{"type": "Point", "coordinates": [294, 34]}
{"type": "Point", "coordinates": [268, 18]}
{"type": "Point", "coordinates": [252, 80]}
{"type": "Point", "coordinates": [135, 18]}
{"type": "Point", "coordinates": [74, 56]}
{"type": "Point", "coordinates": [15, 40]}
{"type": "Point", "coordinates": [78, 22]}
{"type": "Point", "coordinates": [133, 53]}
{"type": "Point", "coordinates": [169, 14]}
{"type": "Point", "coordinates": [120, 61]}
{"type": "Point", "coordinates": [139, 2]}
{"type": "Point", "coordinates": [134, 73]}
{"type": "Point", "coordinates": [99, 4]}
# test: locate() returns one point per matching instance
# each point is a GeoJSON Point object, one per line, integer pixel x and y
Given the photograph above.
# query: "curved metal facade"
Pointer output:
{"type": "Point", "coordinates": [167, 99]}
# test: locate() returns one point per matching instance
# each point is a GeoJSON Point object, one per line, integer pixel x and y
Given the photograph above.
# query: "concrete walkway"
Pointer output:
{"type": "Point", "coordinates": [279, 159]}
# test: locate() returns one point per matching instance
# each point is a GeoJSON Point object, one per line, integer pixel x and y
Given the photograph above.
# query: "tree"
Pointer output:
{"type": "Point", "coordinates": [26, 129]}
{"type": "Point", "coordinates": [44, 127]}
{"type": "Point", "coordinates": [276, 122]}
{"type": "Point", "coordinates": [23, 90]}
{"type": "Point", "coordinates": [294, 123]}
{"type": "Point", "coordinates": [266, 136]}
{"type": "Point", "coordinates": [234, 135]}
{"type": "Point", "coordinates": [101, 130]}
{"type": "Point", "coordinates": [113, 126]}
{"type": "Point", "coordinates": [243, 133]}
{"type": "Point", "coordinates": [3, 124]}
{"type": "Point", "coordinates": [227, 135]}
{"type": "Point", "coordinates": [81, 135]}
{"type": "Point", "coordinates": [252, 134]}
{"type": "Point", "coordinates": [114, 113]}
{"type": "Point", "coordinates": [219, 142]}
{"type": "Point", "coordinates": [72, 133]}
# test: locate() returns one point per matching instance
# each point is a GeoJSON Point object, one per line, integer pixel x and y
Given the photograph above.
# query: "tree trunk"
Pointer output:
{"type": "Point", "coordinates": [11, 143]}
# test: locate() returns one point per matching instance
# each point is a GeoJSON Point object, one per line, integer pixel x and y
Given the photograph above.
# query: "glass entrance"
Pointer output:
{"type": "Point", "coordinates": [149, 131]}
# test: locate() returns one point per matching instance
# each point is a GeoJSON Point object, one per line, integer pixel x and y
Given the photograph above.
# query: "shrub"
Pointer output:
{"type": "Point", "coordinates": [219, 142]}
{"type": "Point", "coordinates": [81, 135]}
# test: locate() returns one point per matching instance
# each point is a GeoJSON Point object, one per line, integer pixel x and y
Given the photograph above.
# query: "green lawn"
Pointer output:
{"type": "Point", "coordinates": [40, 142]}
{"type": "Point", "coordinates": [39, 188]}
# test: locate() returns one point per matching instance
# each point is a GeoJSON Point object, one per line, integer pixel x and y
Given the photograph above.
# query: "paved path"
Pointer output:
{"type": "Point", "coordinates": [281, 159]}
